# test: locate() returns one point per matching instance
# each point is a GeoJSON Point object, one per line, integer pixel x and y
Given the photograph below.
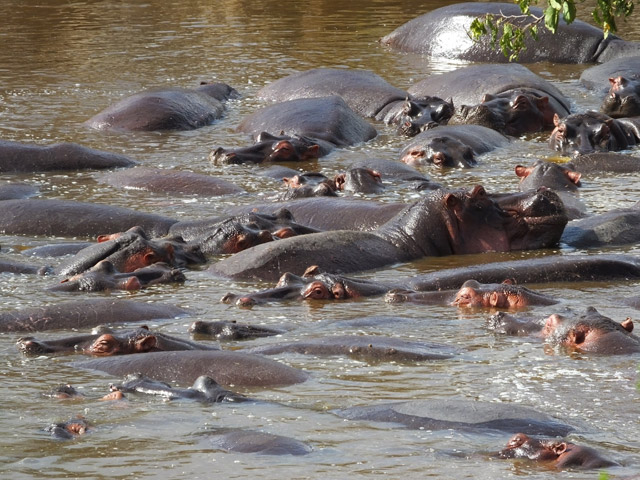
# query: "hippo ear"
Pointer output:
{"type": "Point", "coordinates": [451, 201]}
{"type": "Point", "coordinates": [556, 120]}
{"type": "Point", "coordinates": [558, 447]}
{"type": "Point", "coordinates": [311, 271]}
{"type": "Point", "coordinates": [339, 181]}
{"type": "Point", "coordinates": [494, 299]}
{"type": "Point", "coordinates": [573, 176]}
{"type": "Point", "coordinates": [313, 151]}
{"type": "Point", "coordinates": [522, 171]}
{"type": "Point", "coordinates": [146, 343]}
{"type": "Point", "coordinates": [627, 324]}
{"type": "Point", "coordinates": [487, 97]}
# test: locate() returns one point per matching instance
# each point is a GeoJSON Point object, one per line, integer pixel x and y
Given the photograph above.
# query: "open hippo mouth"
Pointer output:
{"type": "Point", "coordinates": [539, 218]}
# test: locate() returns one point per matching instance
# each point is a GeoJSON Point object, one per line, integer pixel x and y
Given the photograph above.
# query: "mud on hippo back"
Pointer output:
{"type": "Point", "coordinates": [443, 33]}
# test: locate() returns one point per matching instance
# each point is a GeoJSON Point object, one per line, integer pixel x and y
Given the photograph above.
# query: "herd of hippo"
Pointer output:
{"type": "Point", "coordinates": [311, 242]}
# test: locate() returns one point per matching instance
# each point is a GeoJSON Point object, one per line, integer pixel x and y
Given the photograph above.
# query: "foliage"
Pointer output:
{"type": "Point", "coordinates": [510, 32]}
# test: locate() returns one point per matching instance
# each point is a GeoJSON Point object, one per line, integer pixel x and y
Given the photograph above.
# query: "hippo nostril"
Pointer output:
{"type": "Point", "coordinates": [245, 302]}
{"type": "Point", "coordinates": [228, 297]}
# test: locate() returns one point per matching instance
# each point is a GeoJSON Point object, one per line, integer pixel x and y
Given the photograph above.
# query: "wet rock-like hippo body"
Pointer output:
{"type": "Point", "coordinates": [23, 157]}
{"type": "Point", "coordinates": [451, 146]}
{"type": "Point", "coordinates": [259, 443]}
{"type": "Point", "coordinates": [204, 389]}
{"type": "Point", "coordinates": [620, 226]}
{"type": "Point", "coordinates": [462, 415]}
{"type": "Point", "coordinates": [442, 223]}
{"type": "Point", "coordinates": [365, 92]}
{"type": "Point", "coordinates": [225, 367]}
{"type": "Point", "coordinates": [365, 347]}
{"type": "Point", "coordinates": [52, 218]}
{"type": "Point", "coordinates": [85, 314]}
{"type": "Point", "coordinates": [140, 340]}
{"type": "Point", "coordinates": [165, 109]}
{"type": "Point", "coordinates": [443, 33]}
{"type": "Point", "coordinates": [231, 331]}
{"type": "Point", "coordinates": [597, 77]}
{"type": "Point", "coordinates": [170, 182]}
{"type": "Point", "coordinates": [557, 453]}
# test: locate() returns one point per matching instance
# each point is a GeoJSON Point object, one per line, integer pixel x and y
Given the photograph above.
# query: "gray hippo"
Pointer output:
{"type": "Point", "coordinates": [184, 367]}
{"type": "Point", "coordinates": [451, 146]}
{"type": "Point", "coordinates": [597, 77]}
{"type": "Point", "coordinates": [319, 124]}
{"type": "Point", "coordinates": [165, 109]}
{"type": "Point", "coordinates": [460, 415]}
{"type": "Point", "coordinates": [443, 33]}
{"type": "Point", "coordinates": [259, 443]}
{"type": "Point", "coordinates": [53, 218]}
{"type": "Point", "coordinates": [442, 223]}
{"type": "Point", "coordinates": [558, 454]}
{"type": "Point", "coordinates": [170, 182]}
{"type": "Point", "coordinates": [620, 226]}
{"type": "Point", "coordinates": [25, 157]}
{"type": "Point", "coordinates": [85, 314]}
{"type": "Point", "coordinates": [508, 98]}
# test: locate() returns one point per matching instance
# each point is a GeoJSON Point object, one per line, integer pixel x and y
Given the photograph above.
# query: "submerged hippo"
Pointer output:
{"type": "Point", "coordinates": [225, 367]}
{"type": "Point", "coordinates": [170, 182]}
{"type": "Point", "coordinates": [103, 276]}
{"type": "Point", "coordinates": [368, 348]}
{"type": "Point", "coordinates": [23, 157]}
{"type": "Point", "coordinates": [85, 314]}
{"type": "Point", "coordinates": [231, 330]}
{"type": "Point", "coordinates": [591, 332]}
{"type": "Point", "coordinates": [452, 146]}
{"type": "Point", "coordinates": [583, 133]}
{"type": "Point", "coordinates": [597, 77]}
{"type": "Point", "coordinates": [260, 443]}
{"type": "Point", "coordinates": [460, 415]}
{"type": "Point", "coordinates": [623, 99]}
{"type": "Point", "coordinates": [416, 115]}
{"type": "Point", "coordinates": [548, 174]}
{"type": "Point", "coordinates": [620, 226]}
{"type": "Point", "coordinates": [443, 33]}
{"type": "Point", "coordinates": [444, 222]}
{"type": "Point", "coordinates": [323, 123]}
{"type": "Point", "coordinates": [140, 340]}
{"type": "Point", "coordinates": [166, 109]}
{"type": "Point", "coordinates": [69, 429]}
{"type": "Point", "coordinates": [204, 389]}
{"type": "Point", "coordinates": [557, 453]}
{"type": "Point", "coordinates": [52, 218]}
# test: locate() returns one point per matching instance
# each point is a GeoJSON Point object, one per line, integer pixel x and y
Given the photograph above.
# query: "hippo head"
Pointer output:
{"type": "Point", "coordinates": [140, 341]}
{"type": "Point", "coordinates": [537, 218]}
{"type": "Point", "coordinates": [270, 148]}
{"type": "Point", "coordinates": [591, 332]}
{"type": "Point", "coordinates": [312, 285]}
{"type": "Point", "coordinates": [359, 180]}
{"type": "Point", "coordinates": [419, 114]}
{"type": "Point", "coordinates": [512, 113]}
{"type": "Point", "coordinates": [589, 132]}
{"type": "Point", "coordinates": [623, 99]}
{"type": "Point", "coordinates": [441, 152]}
{"type": "Point", "coordinates": [310, 184]}
{"type": "Point", "coordinates": [523, 446]}
{"type": "Point", "coordinates": [548, 174]}
{"type": "Point", "coordinates": [503, 295]}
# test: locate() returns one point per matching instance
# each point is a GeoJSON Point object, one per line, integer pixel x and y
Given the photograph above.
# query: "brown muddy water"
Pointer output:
{"type": "Point", "coordinates": [63, 61]}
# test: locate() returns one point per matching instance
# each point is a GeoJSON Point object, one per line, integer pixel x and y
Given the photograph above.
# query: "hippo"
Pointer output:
{"type": "Point", "coordinates": [475, 294]}
{"type": "Point", "coordinates": [103, 276]}
{"type": "Point", "coordinates": [598, 77]}
{"type": "Point", "coordinates": [16, 157]}
{"type": "Point", "coordinates": [509, 98]}
{"type": "Point", "coordinates": [225, 367]}
{"type": "Point", "coordinates": [165, 109]}
{"type": "Point", "coordinates": [416, 115]}
{"type": "Point", "coordinates": [10, 266]}
{"type": "Point", "coordinates": [368, 348]}
{"type": "Point", "coordinates": [451, 146]}
{"type": "Point", "coordinates": [238, 232]}
{"type": "Point", "coordinates": [443, 33]}
{"type": "Point", "coordinates": [460, 415]}
{"type": "Point", "coordinates": [260, 443]}
{"type": "Point", "coordinates": [506, 324]}
{"type": "Point", "coordinates": [204, 389]}
{"type": "Point", "coordinates": [393, 171]}
{"type": "Point", "coordinates": [51, 218]}
{"type": "Point", "coordinates": [557, 453]}
{"type": "Point", "coordinates": [171, 182]}
{"type": "Point", "coordinates": [620, 226]}
{"type": "Point", "coordinates": [64, 392]}
{"type": "Point", "coordinates": [583, 133]}
{"type": "Point", "coordinates": [548, 174]}
{"type": "Point", "coordinates": [307, 184]}
{"type": "Point", "coordinates": [366, 93]}
{"type": "Point", "coordinates": [107, 343]}
{"type": "Point", "coordinates": [85, 314]}
{"type": "Point", "coordinates": [231, 331]}
{"type": "Point", "coordinates": [444, 222]}
{"type": "Point", "coordinates": [623, 99]}
{"type": "Point", "coordinates": [359, 180]}
{"type": "Point", "coordinates": [323, 124]}
{"type": "Point", "coordinates": [128, 251]}
{"type": "Point", "coordinates": [312, 285]}
{"type": "Point", "coordinates": [605, 162]}
{"type": "Point", "coordinates": [69, 429]}
{"type": "Point", "coordinates": [56, 249]}
{"type": "Point", "coordinates": [591, 332]}
{"type": "Point", "coordinates": [272, 148]}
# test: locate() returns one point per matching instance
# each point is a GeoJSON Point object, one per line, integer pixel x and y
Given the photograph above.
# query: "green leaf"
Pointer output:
{"type": "Point", "coordinates": [569, 11]}
{"type": "Point", "coordinates": [555, 4]}
{"type": "Point", "coordinates": [551, 19]}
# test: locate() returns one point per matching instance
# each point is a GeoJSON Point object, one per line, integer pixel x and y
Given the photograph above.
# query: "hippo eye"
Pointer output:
{"type": "Point", "coordinates": [316, 291]}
